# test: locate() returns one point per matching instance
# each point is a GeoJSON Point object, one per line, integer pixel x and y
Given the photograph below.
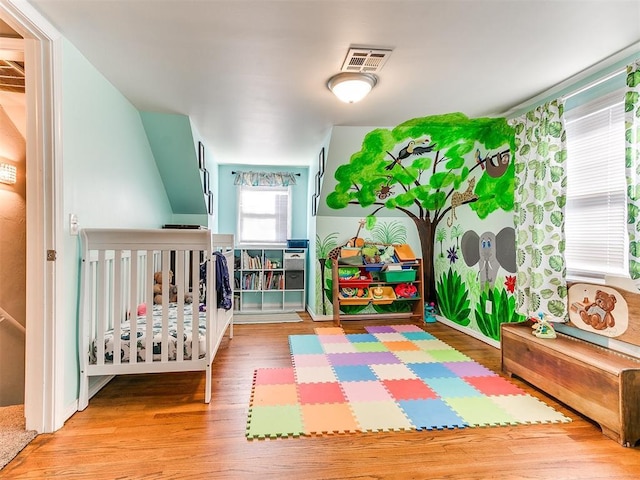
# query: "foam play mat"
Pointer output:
{"type": "Point", "coordinates": [391, 378]}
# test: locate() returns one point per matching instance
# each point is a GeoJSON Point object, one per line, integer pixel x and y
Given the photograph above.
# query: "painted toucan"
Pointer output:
{"type": "Point", "coordinates": [411, 149]}
{"type": "Point", "coordinates": [479, 159]}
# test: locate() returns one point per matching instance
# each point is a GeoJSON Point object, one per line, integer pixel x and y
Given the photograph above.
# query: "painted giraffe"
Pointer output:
{"type": "Point", "coordinates": [334, 254]}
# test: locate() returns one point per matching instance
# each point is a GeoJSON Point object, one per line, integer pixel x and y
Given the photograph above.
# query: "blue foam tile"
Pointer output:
{"type": "Point", "coordinates": [354, 373]}
{"type": "Point", "coordinates": [305, 344]}
{"type": "Point", "coordinates": [361, 337]}
{"type": "Point", "coordinates": [418, 336]}
{"type": "Point", "coordinates": [431, 414]}
{"type": "Point", "coordinates": [431, 370]}
{"type": "Point", "coordinates": [452, 388]}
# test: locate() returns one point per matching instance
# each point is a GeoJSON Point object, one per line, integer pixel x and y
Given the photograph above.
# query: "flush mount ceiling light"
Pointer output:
{"type": "Point", "coordinates": [352, 87]}
{"type": "Point", "coordinates": [7, 174]}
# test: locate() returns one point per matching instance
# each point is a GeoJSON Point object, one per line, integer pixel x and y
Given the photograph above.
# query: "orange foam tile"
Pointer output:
{"type": "Point", "coordinates": [284, 394]}
{"type": "Point", "coordinates": [328, 418]}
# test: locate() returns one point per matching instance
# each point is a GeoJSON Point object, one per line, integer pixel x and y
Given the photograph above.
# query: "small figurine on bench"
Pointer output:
{"type": "Point", "coordinates": [542, 328]}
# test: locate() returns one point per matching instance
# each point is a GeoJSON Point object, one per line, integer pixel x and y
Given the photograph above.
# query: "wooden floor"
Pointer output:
{"type": "Point", "coordinates": [156, 426]}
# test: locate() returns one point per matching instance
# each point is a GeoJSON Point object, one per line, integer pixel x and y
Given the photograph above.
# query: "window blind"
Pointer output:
{"type": "Point", "coordinates": [595, 223]}
{"type": "Point", "coordinates": [264, 215]}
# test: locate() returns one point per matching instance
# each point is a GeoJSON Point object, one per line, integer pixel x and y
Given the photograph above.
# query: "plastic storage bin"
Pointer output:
{"type": "Point", "coordinates": [398, 276]}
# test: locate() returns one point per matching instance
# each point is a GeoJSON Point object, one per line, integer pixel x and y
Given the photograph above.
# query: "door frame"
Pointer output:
{"type": "Point", "coordinates": [44, 361]}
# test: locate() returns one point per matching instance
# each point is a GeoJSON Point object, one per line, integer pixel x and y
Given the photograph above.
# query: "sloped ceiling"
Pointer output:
{"type": "Point", "coordinates": [251, 74]}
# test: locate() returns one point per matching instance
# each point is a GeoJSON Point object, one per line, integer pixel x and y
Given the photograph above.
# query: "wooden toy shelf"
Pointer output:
{"type": "Point", "coordinates": [368, 281]}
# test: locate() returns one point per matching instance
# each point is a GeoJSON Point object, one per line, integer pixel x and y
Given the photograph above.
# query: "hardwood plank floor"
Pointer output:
{"type": "Point", "coordinates": [156, 426]}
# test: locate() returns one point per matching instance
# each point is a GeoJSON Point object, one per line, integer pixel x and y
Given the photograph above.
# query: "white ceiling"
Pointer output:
{"type": "Point", "coordinates": [251, 74]}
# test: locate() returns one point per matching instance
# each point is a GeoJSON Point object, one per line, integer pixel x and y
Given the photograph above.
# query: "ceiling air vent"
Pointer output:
{"type": "Point", "coordinates": [366, 60]}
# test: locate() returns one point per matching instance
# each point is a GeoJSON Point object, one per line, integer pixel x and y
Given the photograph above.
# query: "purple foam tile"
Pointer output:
{"type": "Point", "coordinates": [380, 329]}
{"type": "Point", "coordinates": [469, 369]}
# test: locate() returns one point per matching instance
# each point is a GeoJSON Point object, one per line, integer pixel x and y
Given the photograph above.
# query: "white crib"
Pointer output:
{"type": "Point", "coordinates": [117, 303]}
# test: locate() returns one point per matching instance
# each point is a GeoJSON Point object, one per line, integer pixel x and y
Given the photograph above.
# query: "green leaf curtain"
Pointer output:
{"type": "Point", "coordinates": [540, 197]}
{"type": "Point", "coordinates": [632, 163]}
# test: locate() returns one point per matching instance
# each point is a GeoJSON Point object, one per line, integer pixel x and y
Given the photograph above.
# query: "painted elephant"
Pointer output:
{"type": "Point", "coordinates": [490, 252]}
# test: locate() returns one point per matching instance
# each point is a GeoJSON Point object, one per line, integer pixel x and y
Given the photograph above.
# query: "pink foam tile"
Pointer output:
{"type": "Point", "coordinates": [320, 393]}
{"type": "Point", "coordinates": [494, 385]}
{"type": "Point", "coordinates": [271, 376]}
{"type": "Point", "coordinates": [310, 360]}
{"type": "Point", "coordinates": [407, 328]}
{"type": "Point", "coordinates": [315, 375]}
{"type": "Point", "coordinates": [368, 391]}
{"type": "Point", "coordinates": [409, 389]}
{"type": "Point", "coordinates": [392, 371]}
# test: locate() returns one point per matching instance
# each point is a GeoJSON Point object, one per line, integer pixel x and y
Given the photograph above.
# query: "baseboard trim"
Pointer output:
{"type": "Point", "coordinates": [468, 331]}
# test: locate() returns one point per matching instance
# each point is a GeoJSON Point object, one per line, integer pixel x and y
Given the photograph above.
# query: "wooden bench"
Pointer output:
{"type": "Point", "coordinates": [599, 383]}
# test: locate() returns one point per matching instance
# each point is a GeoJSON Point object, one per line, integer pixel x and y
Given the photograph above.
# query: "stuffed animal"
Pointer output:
{"type": "Point", "coordinates": [173, 290]}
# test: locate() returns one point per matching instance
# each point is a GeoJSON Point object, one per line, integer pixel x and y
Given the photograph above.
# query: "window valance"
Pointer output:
{"type": "Point", "coordinates": [265, 179]}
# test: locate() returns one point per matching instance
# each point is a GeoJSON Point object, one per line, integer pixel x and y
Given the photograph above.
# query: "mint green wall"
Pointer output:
{"type": "Point", "coordinates": [109, 174]}
{"type": "Point", "coordinates": [175, 151]}
{"type": "Point", "coordinates": [226, 196]}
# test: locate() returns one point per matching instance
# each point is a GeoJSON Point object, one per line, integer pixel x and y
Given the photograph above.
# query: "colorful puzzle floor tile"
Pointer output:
{"type": "Point", "coordinates": [392, 378]}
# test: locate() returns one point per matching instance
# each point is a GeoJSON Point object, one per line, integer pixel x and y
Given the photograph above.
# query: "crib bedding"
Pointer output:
{"type": "Point", "coordinates": [141, 334]}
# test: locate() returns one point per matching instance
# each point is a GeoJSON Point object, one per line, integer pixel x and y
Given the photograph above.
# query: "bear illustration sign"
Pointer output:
{"type": "Point", "coordinates": [598, 309]}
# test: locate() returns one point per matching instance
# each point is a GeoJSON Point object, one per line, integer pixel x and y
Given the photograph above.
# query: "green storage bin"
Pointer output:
{"type": "Point", "coordinates": [406, 275]}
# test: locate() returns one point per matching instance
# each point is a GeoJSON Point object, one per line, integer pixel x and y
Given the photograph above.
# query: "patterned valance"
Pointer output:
{"type": "Point", "coordinates": [265, 179]}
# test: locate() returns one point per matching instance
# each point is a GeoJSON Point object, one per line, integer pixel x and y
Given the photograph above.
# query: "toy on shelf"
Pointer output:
{"type": "Point", "coordinates": [430, 313]}
{"type": "Point", "coordinates": [542, 327]}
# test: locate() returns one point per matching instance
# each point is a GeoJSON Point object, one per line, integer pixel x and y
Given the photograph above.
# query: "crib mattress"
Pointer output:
{"type": "Point", "coordinates": [141, 337]}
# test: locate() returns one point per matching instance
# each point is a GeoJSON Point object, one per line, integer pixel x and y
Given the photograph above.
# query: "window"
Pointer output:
{"type": "Point", "coordinates": [264, 215]}
{"type": "Point", "coordinates": [595, 221]}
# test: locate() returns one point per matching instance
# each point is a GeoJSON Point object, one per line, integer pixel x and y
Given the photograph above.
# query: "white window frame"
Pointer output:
{"type": "Point", "coordinates": [285, 231]}
{"type": "Point", "coordinates": [595, 213]}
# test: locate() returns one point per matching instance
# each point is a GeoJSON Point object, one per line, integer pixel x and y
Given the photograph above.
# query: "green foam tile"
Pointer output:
{"type": "Point", "coordinates": [275, 421]}
{"type": "Point", "coordinates": [449, 356]}
{"type": "Point", "coordinates": [480, 411]}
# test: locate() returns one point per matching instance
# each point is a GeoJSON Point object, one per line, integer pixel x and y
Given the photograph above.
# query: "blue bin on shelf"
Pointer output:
{"type": "Point", "coordinates": [298, 243]}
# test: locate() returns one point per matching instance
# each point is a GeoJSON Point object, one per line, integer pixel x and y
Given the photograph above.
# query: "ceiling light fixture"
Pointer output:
{"type": "Point", "coordinates": [352, 87]}
{"type": "Point", "coordinates": [7, 173]}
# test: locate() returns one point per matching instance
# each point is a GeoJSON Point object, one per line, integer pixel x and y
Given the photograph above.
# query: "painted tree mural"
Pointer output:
{"type": "Point", "coordinates": [429, 176]}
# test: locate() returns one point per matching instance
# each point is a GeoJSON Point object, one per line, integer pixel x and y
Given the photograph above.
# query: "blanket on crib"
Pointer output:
{"type": "Point", "coordinates": [141, 337]}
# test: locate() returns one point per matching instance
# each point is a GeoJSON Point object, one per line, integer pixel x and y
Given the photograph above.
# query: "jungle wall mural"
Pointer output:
{"type": "Point", "coordinates": [444, 184]}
